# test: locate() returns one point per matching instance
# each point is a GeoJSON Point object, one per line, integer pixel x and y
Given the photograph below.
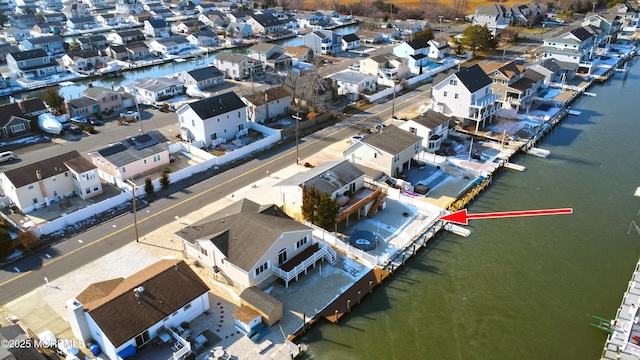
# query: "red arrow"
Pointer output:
{"type": "Point", "coordinates": [461, 217]}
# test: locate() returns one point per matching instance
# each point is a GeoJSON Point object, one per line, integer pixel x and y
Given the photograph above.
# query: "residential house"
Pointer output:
{"type": "Point", "coordinates": [554, 70]}
{"type": "Point", "coordinates": [92, 42]}
{"type": "Point", "coordinates": [184, 8]}
{"type": "Point", "coordinates": [76, 10]}
{"type": "Point", "coordinates": [213, 120]}
{"type": "Point", "coordinates": [173, 45]}
{"type": "Point", "coordinates": [150, 90]}
{"type": "Point", "coordinates": [577, 46]}
{"type": "Point", "coordinates": [15, 35]}
{"type": "Point", "coordinates": [203, 38]}
{"type": "Point", "coordinates": [122, 315]}
{"type": "Point", "coordinates": [324, 42]}
{"type": "Point", "coordinates": [389, 34]}
{"type": "Point", "coordinates": [237, 30]}
{"type": "Point", "coordinates": [82, 106]}
{"type": "Point", "coordinates": [152, 5]}
{"type": "Point", "coordinates": [609, 23]}
{"type": "Point", "coordinates": [204, 8]}
{"type": "Point", "coordinates": [33, 107]}
{"type": "Point", "coordinates": [387, 67]}
{"type": "Point", "coordinates": [350, 42]}
{"type": "Point", "coordinates": [138, 50]}
{"type": "Point", "coordinates": [202, 78]}
{"type": "Point", "coordinates": [110, 19]}
{"type": "Point", "coordinates": [108, 100]}
{"type": "Point", "coordinates": [389, 150]}
{"type": "Point", "coordinates": [239, 16]}
{"type": "Point", "coordinates": [132, 157]}
{"type": "Point", "coordinates": [268, 105]}
{"type": "Point", "coordinates": [371, 37]}
{"type": "Point", "coordinates": [157, 28]}
{"type": "Point", "coordinates": [353, 82]}
{"type": "Point", "coordinates": [215, 19]}
{"type": "Point", "coordinates": [117, 52]}
{"type": "Point", "coordinates": [339, 178]}
{"type": "Point", "coordinates": [432, 127]}
{"type": "Point", "coordinates": [51, 44]}
{"type": "Point", "coordinates": [31, 63]}
{"type": "Point", "coordinates": [299, 53]}
{"type": "Point", "coordinates": [270, 55]}
{"type": "Point", "coordinates": [13, 121]}
{"type": "Point", "coordinates": [526, 14]}
{"type": "Point", "coordinates": [410, 26]}
{"type": "Point", "coordinates": [56, 18]}
{"type": "Point", "coordinates": [236, 66]}
{"type": "Point", "coordinates": [38, 184]}
{"type": "Point", "coordinates": [23, 21]}
{"type": "Point", "coordinates": [188, 27]}
{"type": "Point", "coordinates": [439, 48]}
{"type": "Point", "coordinates": [248, 244]}
{"type": "Point", "coordinates": [45, 29]}
{"type": "Point", "coordinates": [467, 95]}
{"type": "Point", "coordinates": [265, 24]}
{"type": "Point", "coordinates": [416, 52]}
{"type": "Point", "coordinates": [5, 49]}
{"type": "Point", "coordinates": [162, 13]}
{"type": "Point", "coordinates": [515, 90]}
{"type": "Point", "coordinates": [629, 16]}
{"type": "Point", "coordinates": [96, 5]}
{"type": "Point", "coordinates": [81, 23]}
{"type": "Point", "coordinates": [84, 60]}
{"type": "Point", "coordinates": [324, 17]}
{"type": "Point", "coordinates": [126, 36]}
{"type": "Point", "coordinates": [495, 17]}
{"type": "Point", "coordinates": [140, 17]}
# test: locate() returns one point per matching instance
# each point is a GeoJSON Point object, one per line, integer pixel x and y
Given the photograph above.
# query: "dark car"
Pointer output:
{"type": "Point", "coordinates": [75, 129]}
{"type": "Point", "coordinates": [96, 122]}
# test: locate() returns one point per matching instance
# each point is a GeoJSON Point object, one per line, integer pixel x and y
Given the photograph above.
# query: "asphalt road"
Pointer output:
{"type": "Point", "coordinates": [28, 273]}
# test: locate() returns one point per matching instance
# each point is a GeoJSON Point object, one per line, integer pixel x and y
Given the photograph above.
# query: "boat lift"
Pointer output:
{"type": "Point", "coordinates": [604, 324]}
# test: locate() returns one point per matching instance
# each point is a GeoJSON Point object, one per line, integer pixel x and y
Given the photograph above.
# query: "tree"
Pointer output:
{"type": "Point", "coordinates": [148, 186]}
{"type": "Point", "coordinates": [310, 199]}
{"type": "Point", "coordinates": [478, 38]}
{"type": "Point", "coordinates": [426, 34]}
{"type": "Point", "coordinates": [326, 212]}
{"type": "Point", "coordinates": [56, 101]}
{"type": "Point", "coordinates": [164, 180]}
{"type": "Point", "coordinates": [28, 240]}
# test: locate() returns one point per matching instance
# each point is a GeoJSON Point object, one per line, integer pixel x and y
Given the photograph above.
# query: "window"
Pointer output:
{"type": "Point", "coordinates": [30, 187]}
{"type": "Point", "coordinates": [262, 268]}
{"type": "Point", "coordinates": [455, 96]}
{"type": "Point", "coordinates": [214, 136]}
{"type": "Point", "coordinates": [193, 122]}
{"type": "Point", "coordinates": [238, 114]}
{"type": "Point", "coordinates": [124, 170]}
{"type": "Point", "coordinates": [95, 188]}
{"type": "Point", "coordinates": [396, 158]}
{"type": "Point", "coordinates": [156, 158]}
{"type": "Point", "coordinates": [87, 191]}
{"type": "Point", "coordinates": [204, 251]}
{"type": "Point", "coordinates": [144, 161]}
{"type": "Point", "coordinates": [66, 174]}
{"type": "Point", "coordinates": [240, 127]}
{"type": "Point", "coordinates": [35, 201]}
{"type": "Point", "coordinates": [413, 130]}
{"type": "Point", "coordinates": [187, 307]}
{"type": "Point", "coordinates": [16, 128]}
{"type": "Point", "coordinates": [445, 94]}
{"type": "Point", "coordinates": [453, 82]}
{"type": "Point", "coordinates": [301, 242]}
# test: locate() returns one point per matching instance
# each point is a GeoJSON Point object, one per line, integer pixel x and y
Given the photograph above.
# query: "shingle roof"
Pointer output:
{"type": "Point", "coordinates": [418, 43]}
{"type": "Point", "coordinates": [154, 84]}
{"type": "Point", "coordinates": [135, 148]}
{"type": "Point", "coordinates": [217, 105]}
{"type": "Point", "coordinates": [391, 139]}
{"type": "Point", "coordinates": [168, 285]}
{"type": "Point", "coordinates": [79, 165]}
{"type": "Point", "coordinates": [431, 119]}
{"type": "Point", "coordinates": [158, 23]}
{"type": "Point", "coordinates": [326, 177]}
{"type": "Point", "coordinates": [7, 111]}
{"type": "Point", "coordinates": [130, 33]}
{"type": "Point", "coordinates": [350, 37]}
{"type": "Point", "coordinates": [268, 96]}
{"type": "Point", "coordinates": [83, 54]}
{"type": "Point", "coordinates": [243, 231]}
{"type": "Point", "coordinates": [581, 33]}
{"type": "Point", "coordinates": [225, 56]}
{"type": "Point", "coordinates": [96, 92]}
{"type": "Point", "coordinates": [53, 166]}
{"type": "Point", "coordinates": [473, 77]}
{"type": "Point", "coordinates": [173, 40]}
{"type": "Point", "coordinates": [266, 20]}
{"type": "Point", "coordinates": [260, 300]}
{"type": "Point", "coordinates": [352, 77]}
{"type": "Point", "coordinates": [29, 54]}
{"type": "Point", "coordinates": [31, 105]}
{"type": "Point", "coordinates": [205, 73]}
{"type": "Point", "coordinates": [81, 102]}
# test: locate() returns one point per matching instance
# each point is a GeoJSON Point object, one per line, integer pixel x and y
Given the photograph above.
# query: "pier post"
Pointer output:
{"type": "Point", "coordinates": [336, 315]}
{"type": "Point", "coordinates": [414, 249]}
{"type": "Point", "coordinates": [348, 305]}
{"type": "Point", "coordinates": [402, 258]}
{"type": "Point", "coordinates": [304, 320]}
{"type": "Point", "coordinates": [359, 296]}
{"type": "Point", "coordinates": [370, 286]}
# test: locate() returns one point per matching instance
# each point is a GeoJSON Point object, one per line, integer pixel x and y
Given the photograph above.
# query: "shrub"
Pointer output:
{"type": "Point", "coordinates": [164, 180]}
{"type": "Point", "coordinates": [148, 186]}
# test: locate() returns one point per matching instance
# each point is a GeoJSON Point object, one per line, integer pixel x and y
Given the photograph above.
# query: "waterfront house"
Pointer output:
{"type": "Point", "coordinates": [236, 66]}
{"type": "Point", "coordinates": [14, 35]}
{"type": "Point", "coordinates": [5, 49]}
{"type": "Point", "coordinates": [76, 10]}
{"type": "Point", "coordinates": [138, 50]}
{"type": "Point", "coordinates": [139, 17]}
{"type": "Point", "coordinates": [554, 70]}
{"type": "Point", "coordinates": [416, 52]}
{"type": "Point", "coordinates": [349, 82]}
{"type": "Point", "coordinates": [239, 16]}
{"type": "Point", "coordinates": [467, 95]}
{"type": "Point", "coordinates": [341, 179]}
{"type": "Point", "coordinates": [108, 100]}
{"type": "Point", "coordinates": [32, 107]}
{"type": "Point", "coordinates": [629, 16]}
{"type": "Point", "coordinates": [202, 78]}
{"type": "Point", "coordinates": [268, 105]}
{"type": "Point", "coordinates": [325, 42]}
{"type": "Point", "coordinates": [300, 53]}
{"type": "Point", "coordinates": [609, 23]}
{"type": "Point", "coordinates": [213, 120]}
{"type": "Point", "coordinates": [389, 150]}
{"type": "Point", "coordinates": [85, 60]}
{"type": "Point", "coordinates": [157, 28]}
{"type": "Point", "coordinates": [31, 63]}
{"type": "Point", "coordinates": [576, 46]}
{"type": "Point", "coordinates": [188, 27]}
{"type": "Point", "coordinates": [92, 42]}
{"type": "Point", "coordinates": [389, 34]}
{"type": "Point", "coordinates": [215, 19]}
{"type": "Point", "coordinates": [432, 127]}
{"type": "Point", "coordinates": [117, 52]}
{"type": "Point", "coordinates": [38, 184]}
{"type": "Point", "coordinates": [51, 44]}
{"type": "Point", "coordinates": [45, 29]}
{"type": "Point", "coordinates": [184, 9]}
{"type": "Point", "coordinates": [387, 67]}
{"type": "Point", "coordinates": [238, 30]}
{"type": "Point", "coordinates": [122, 315]}
{"type": "Point", "coordinates": [271, 56]}
{"type": "Point", "coordinates": [82, 106]}
{"type": "Point", "coordinates": [81, 23]}
{"type": "Point", "coordinates": [150, 90]}
{"type": "Point", "coordinates": [22, 21]}
{"type": "Point", "coordinates": [204, 38]}
{"type": "Point", "coordinates": [110, 19]}
{"type": "Point", "coordinates": [324, 17]}
{"type": "Point", "coordinates": [350, 42]}
{"type": "Point", "coordinates": [126, 36]}
{"type": "Point", "coordinates": [172, 45]}
{"type": "Point", "coordinates": [162, 13]}
{"type": "Point", "coordinates": [495, 17]}
{"type": "Point", "coordinates": [265, 24]}
{"type": "Point", "coordinates": [525, 14]}
{"type": "Point", "coordinates": [371, 37]}
{"type": "Point", "coordinates": [97, 5]}
{"type": "Point", "coordinates": [133, 157]}
{"type": "Point", "coordinates": [56, 18]}
{"type": "Point", "coordinates": [152, 5]}
{"type": "Point", "coordinates": [514, 85]}
{"type": "Point", "coordinates": [13, 121]}
{"type": "Point", "coordinates": [204, 8]}
{"type": "Point", "coordinates": [248, 244]}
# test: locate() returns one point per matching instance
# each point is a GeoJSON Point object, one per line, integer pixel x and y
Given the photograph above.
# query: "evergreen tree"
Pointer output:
{"type": "Point", "coordinates": [164, 180]}
{"type": "Point", "coordinates": [478, 38]}
{"type": "Point", "coordinates": [148, 186]}
{"type": "Point", "coordinates": [327, 211]}
{"type": "Point", "coordinates": [310, 198]}
{"type": "Point", "coordinates": [56, 101]}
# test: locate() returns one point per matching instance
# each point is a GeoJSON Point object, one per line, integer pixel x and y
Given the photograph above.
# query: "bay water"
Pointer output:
{"type": "Point", "coordinates": [519, 288]}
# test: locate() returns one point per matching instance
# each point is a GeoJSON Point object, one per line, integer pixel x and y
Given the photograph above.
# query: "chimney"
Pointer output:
{"type": "Point", "coordinates": [39, 174]}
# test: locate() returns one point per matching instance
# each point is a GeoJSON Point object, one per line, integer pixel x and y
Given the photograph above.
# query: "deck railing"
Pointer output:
{"type": "Point", "coordinates": [323, 252]}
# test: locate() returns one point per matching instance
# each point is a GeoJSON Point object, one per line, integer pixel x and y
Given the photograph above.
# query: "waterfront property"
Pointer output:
{"type": "Point", "coordinates": [150, 90]}
{"type": "Point", "coordinates": [431, 126]}
{"type": "Point", "coordinates": [268, 105]}
{"type": "Point", "coordinates": [31, 63]}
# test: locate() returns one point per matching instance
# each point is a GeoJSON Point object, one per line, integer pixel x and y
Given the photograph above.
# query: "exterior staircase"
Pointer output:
{"type": "Point", "coordinates": [381, 195]}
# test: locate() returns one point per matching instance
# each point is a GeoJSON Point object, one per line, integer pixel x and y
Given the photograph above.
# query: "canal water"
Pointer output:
{"type": "Point", "coordinates": [520, 288]}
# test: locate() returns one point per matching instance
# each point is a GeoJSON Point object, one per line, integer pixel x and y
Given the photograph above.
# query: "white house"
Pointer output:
{"type": "Point", "coordinates": [496, 17]}
{"type": "Point", "coordinates": [84, 60]}
{"type": "Point", "coordinates": [432, 127]}
{"type": "Point", "coordinates": [149, 90]}
{"type": "Point", "coordinates": [172, 45]}
{"type": "Point", "coordinates": [214, 120]}
{"type": "Point", "coordinates": [236, 66]}
{"type": "Point", "coordinates": [416, 52]}
{"type": "Point", "coordinates": [122, 315]}
{"type": "Point", "coordinates": [348, 81]}
{"type": "Point", "coordinates": [466, 95]}
{"type": "Point", "coordinates": [350, 42]}
{"type": "Point", "coordinates": [323, 42]}
{"type": "Point", "coordinates": [202, 78]}
{"type": "Point", "coordinates": [157, 28]}
{"type": "Point", "coordinates": [268, 105]}
{"type": "Point", "coordinates": [38, 184]}
{"type": "Point", "coordinates": [438, 48]}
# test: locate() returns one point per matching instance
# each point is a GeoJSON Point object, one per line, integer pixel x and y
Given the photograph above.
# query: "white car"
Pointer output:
{"type": "Point", "coordinates": [130, 115]}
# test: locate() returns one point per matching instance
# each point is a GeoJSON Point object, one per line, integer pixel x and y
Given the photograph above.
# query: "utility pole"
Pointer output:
{"type": "Point", "coordinates": [139, 116]}
{"type": "Point", "coordinates": [298, 118]}
{"type": "Point", "coordinates": [135, 214]}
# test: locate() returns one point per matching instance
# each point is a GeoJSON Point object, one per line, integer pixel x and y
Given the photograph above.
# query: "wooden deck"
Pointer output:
{"type": "Point", "coordinates": [298, 259]}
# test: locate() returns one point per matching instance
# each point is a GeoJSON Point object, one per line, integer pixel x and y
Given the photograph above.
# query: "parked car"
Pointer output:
{"type": "Point", "coordinates": [130, 115]}
{"type": "Point", "coordinates": [96, 122]}
{"type": "Point", "coordinates": [79, 119]}
{"type": "Point", "coordinates": [6, 156]}
{"type": "Point", "coordinates": [75, 129]}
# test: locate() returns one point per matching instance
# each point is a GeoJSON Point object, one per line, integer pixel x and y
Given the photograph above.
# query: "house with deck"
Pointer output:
{"type": "Point", "coordinates": [416, 52]}
{"type": "Point", "coordinates": [265, 24]}
{"type": "Point", "coordinates": [82, 106]}
{"type": "Point", "coordinates": [325, 42]}
{"type": "Point", "coordinates": [299, 53]}
{"type": "Point", "coordinates": [495, 17]}
{"type": "Point", "coordinates": [249, 244]}
{"type": "Point", "coordinates": [126, 36]}
{"type": "Point", "coordinates": [108, 100]}
{"type": "Point", "coordinates": [41, 183]}
{"type": "Point", "coordinates": [157, 28]}
{"type": "Point", "coordinates": [270, 55]}
{"type": "Point", "coordinates": [84, 60]}
{"type": "Point", "coordinates": [515, 90]}
{"type": "Point", "coordinates": [122, 315]}
{"type": "Point", "coordinates": [577, 46]}
{"type": "Point", "coordinates": [389, 150]}
{"type": "Point", "coordinates": [353, 82]}
{"type": "Point", "coordinates": [439, 48]}
{"type": "Point", "coordinates": [150, 90]}
{"type": "Point", "coordinates": [31, 63]}
{"type": "Point", "coordinates": [350, 42]}
{"type": "Point", "coordinates": [386, 67]}
{"type": "Point", "coordinates": [213, 120]}
{"type": "Point", "coordinates": [51, 44]}
{"type": "Point", "coordinates": [268, 105]}
{"type": "Point", "coordinates": [172, 45]}
{"type": "Point", "coordinates": [132, 157]}
{"type": "Point", "coordinates": [204, 38]}
{"type": "Point", "coordinates": [466, 95]}
{"type": "Point", "coordinates": [98, 42]}
{"type": "Point", "coordinates": [432, 127]}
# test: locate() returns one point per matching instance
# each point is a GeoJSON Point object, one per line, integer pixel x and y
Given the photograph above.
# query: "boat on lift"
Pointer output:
{"type": "Point", "coordinates": [48, 123]}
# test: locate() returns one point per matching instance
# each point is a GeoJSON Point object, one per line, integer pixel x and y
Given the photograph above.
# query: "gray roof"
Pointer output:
{"type": "Point", "coordinates": [266, 20]}
{"type": "Point", "coordinates": [217, 105]}
{"type": "Point", "coordinates": [350, 37]}
{"type": "Point", "coordinates": [474, 78]}
{"type": "Point", "coordinates": [96, 92]}
{"type": "Point", "coordinates": [159, 23]}
{"type": "Point", "coordinates": [431, 119]}
{"type": "Point", "coordinates": [325, 178]}
{"type": "Point", "coordinates": [29, 54]}
{"type": "Point", "coordinates": [243, 231]}
{"type": "Point", "coordinates": [260, 300]}
{"type": "Point", "coordinates": [173, 40]}
{"type": "Point", "coordinates": [154, 84]}
{"type": "Point", "coordinates": [205, 73]}
{"type": "Point", "coordinates": [351, 76]}
{"type": "Point", "coordinates": [225, 56]}
{"type": "Point", "coordinates": [391, 139]}
{"type": "Point", "coordinates": [81, 102]}
{"type": "Point", "coordinates": [53, 166]}
{"type": "Point", "coordinates": [135, 148]}
{"type": "Point", "coordinates": [45, 39]}
{"type": "Point", "coordinates": [262, 47]}
{"type": "Point", "coordinates": [15, 332]}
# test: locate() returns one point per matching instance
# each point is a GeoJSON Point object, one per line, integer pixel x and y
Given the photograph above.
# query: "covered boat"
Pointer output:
{"type": "Point", "coordinates": [49, 123]}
